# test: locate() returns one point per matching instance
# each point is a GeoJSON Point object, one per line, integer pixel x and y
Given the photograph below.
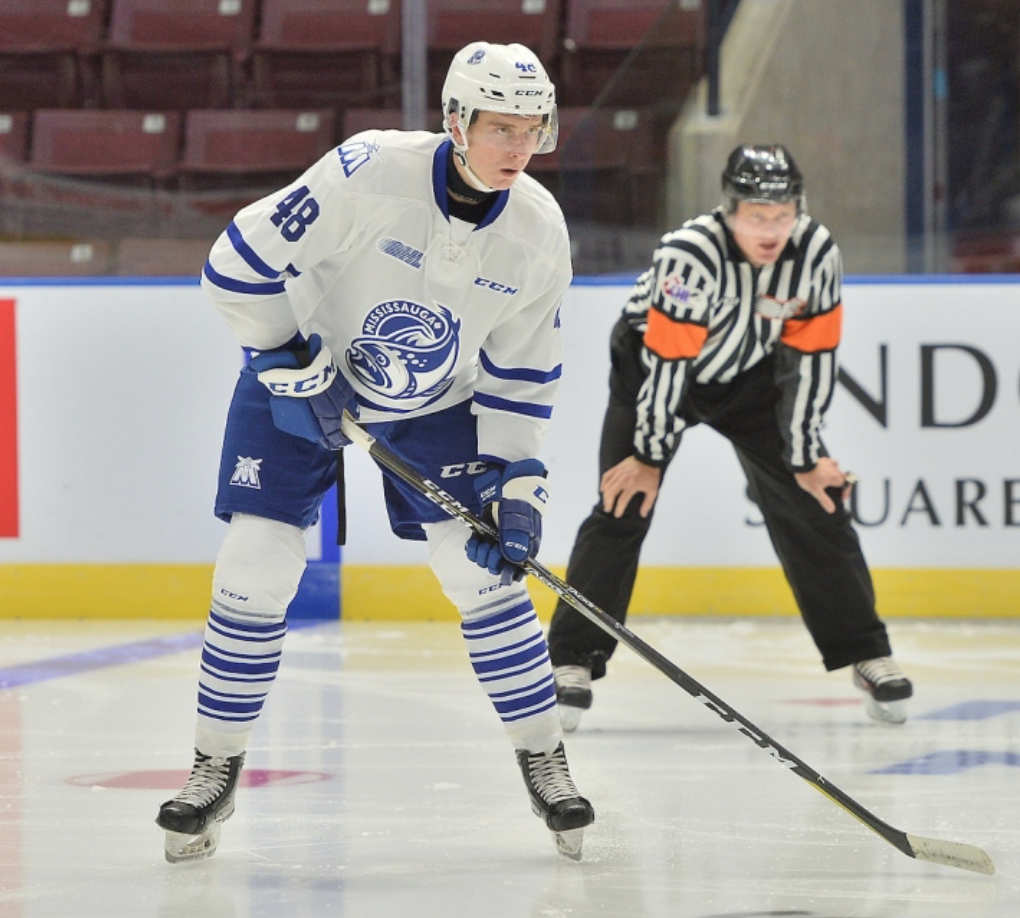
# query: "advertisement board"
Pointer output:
{"type": "Point", "coordinates": [115, 395]}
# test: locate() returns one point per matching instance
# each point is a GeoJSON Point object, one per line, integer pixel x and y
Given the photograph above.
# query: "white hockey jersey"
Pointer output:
{"type": "Point", "coordinates": [421, 311]}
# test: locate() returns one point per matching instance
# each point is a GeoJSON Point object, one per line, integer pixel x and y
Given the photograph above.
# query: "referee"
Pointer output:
{"type": "Point", "coordinates": [735, 325]}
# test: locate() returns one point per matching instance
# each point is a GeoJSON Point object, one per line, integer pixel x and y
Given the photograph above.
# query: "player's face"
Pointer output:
{"type": "Point", "coordinates": [500, 146]}
{"type": "Point", "coordinates": [762, 230]}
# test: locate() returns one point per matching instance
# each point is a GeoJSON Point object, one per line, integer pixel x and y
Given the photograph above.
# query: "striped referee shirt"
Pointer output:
{"type": "Point", "coordinates": [707, 315]}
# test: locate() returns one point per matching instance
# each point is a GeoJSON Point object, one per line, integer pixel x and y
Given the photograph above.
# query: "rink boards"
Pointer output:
{"type": "Point", "coordinates": [115, 393]}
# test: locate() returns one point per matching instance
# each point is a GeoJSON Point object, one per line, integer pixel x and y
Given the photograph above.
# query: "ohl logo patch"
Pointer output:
{"type": "Point", "coordinates": [673, 288]}
{"type": "Point", "coordinates": [406, 351]}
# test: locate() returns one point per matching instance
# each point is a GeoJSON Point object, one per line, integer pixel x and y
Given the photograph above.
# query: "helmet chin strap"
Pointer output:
{"type": "Point", "coordinates": [461, 154]}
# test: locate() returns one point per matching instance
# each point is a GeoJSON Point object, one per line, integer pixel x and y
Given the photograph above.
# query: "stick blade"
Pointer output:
{"type": "Point", "coordinates": [951, 854]}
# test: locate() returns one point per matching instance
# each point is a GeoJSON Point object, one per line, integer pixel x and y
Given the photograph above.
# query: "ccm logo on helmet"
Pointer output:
{"type": "Point", "coordinates": [530, 92]}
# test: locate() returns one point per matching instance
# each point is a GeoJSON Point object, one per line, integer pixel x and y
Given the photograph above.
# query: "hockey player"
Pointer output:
{"type": "Point", "coordinates": [735, 325]}
{"type": "Point", "coordinates": [413, 279]}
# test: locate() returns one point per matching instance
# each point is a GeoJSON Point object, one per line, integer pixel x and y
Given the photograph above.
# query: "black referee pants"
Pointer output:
{"type": "Point", "coordinates": [819, 552]}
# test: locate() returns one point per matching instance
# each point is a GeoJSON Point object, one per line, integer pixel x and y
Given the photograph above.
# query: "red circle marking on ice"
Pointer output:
{"type": "Point", "coordinates": [824, 702]}
{"type": "Point", "coordinates": [174, 780]}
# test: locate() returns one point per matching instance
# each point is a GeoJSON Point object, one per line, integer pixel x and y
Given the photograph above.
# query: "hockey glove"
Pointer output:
{"type": "Point", "coordinates": [512, 503]}
{"type": "Point", "coordinates": [311, 392]}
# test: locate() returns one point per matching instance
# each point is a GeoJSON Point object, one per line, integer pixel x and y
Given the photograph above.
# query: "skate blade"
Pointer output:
{"type": "Point", "coordinates": [180, 847]}
{"type": "Point", "coordinates": [569, 842]}
{"type": "Point", "coordinates": [570, 717]}
{"type": "Point", "coordinates": [886, 712]}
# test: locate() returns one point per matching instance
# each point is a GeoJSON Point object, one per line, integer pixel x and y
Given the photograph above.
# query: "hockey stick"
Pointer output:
{"type": "Point", "coordinates": [937, 851]}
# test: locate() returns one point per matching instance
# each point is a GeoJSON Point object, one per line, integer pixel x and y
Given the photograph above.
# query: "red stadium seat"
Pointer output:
{"type": "Point", "coordinates": [13, 140]}
{"type": "Point", "coordinates": [176, 54]}
{"type": "Point", "coordinates": [233, 157]}
{"type": "Point", "coordinates": [597, 138]}
{"type": "Point", "coordinates": [100, 171]}
{"type": "Point", "coordinates": [47, 51]}
{"type": "Point", "coordinates": [356, 120]}
{"type": "Point", "coordinates": [233, 142]}
{"type": "Point", "coordinates": [86, 142]}
{"type": "Point", "coordinates": [55, 259]}
{"type": "Point", "coordinates": [13, 154]}
{"type": "Point", "coordinates": [600, 36]}
{"type": "Point", "coordinates": [161, 257]}
{"type": "Point", "coordinates": [452, 24]}
{"type": "Point", "coordinates": [604, 167]}
{"type": "Point", "coordinates": [327, 54]}
{"type": "Point", "coordinates": [995, 251]}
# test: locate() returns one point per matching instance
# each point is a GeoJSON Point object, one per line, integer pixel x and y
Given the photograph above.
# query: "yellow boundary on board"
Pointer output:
{"type": "Point", "coordinates": [176, 591]}
{"type": "Point", "coordinates": [399, 593]}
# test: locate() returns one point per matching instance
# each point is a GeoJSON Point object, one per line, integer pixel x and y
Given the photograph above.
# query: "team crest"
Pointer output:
{"type": "Point", "coordinates": [246, 473]}
{"type": "Point", "coordinates": [406, 351]}
{"type": "Point", "coordinates": [354, 155]}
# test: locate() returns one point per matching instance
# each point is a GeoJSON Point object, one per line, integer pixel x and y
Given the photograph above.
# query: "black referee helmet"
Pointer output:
{"type": "Point", "coordinates": [762, 174]}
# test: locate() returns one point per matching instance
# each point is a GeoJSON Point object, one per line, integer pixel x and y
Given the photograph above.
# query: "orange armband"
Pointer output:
{"type": "Point", "coordinates": [816, 333]}
{"type": "Point", "coordinates": [672, 340]}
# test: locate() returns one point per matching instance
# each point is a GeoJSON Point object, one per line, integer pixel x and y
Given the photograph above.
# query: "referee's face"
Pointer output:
{"type": "Point", "coordinates": [762, 230]}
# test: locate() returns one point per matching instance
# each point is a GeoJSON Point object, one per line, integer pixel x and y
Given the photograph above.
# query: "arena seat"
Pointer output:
{"type": "Point", "coordinates": [48, 52]}
{"type": "Point", "coordinates": [327, 54]}
{"type": "Point", "coordinates": [138, 257]}
{"type": "Point", "coordinates": [13, 139]}
{"type": "Point", "coordinates": [176, 54]}
{"type": "Point", "coordinates": [666, 40]}
{"type": "Point", "coordinates": [233, 157]}
{"type": "Point", "coordinates": [55, 259]}
{"type": "Point", "coordinates": [90, 142]}
{"type": "Point", "coordinates": [13, 156]}
{"type": "Point", "coordinates": [356, 120]}
{"type": "Point", "coordinates": [252, 142]}
{"type": "Point", "coordinates": [604, 167]}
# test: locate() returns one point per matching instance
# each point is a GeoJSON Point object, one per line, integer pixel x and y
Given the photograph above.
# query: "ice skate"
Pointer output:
{"type": "Point", "coordinates": [555, 799]}
{"type": "Point", "coordinates": [885, 688]}
{"type": "Point", "coordinates": [194, 817]}
{"type": "Point", "coordinates": [573, 694]}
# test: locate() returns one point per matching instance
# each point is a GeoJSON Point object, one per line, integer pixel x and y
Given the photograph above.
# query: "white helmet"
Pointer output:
{"type": "Point", "coordinates": [498, 78]}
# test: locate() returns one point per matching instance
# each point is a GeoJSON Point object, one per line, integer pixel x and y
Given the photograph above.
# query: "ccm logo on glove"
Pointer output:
{"type": "Point", "coordinates": [512, 503]}
{"type": "Point", "coordinates": [317, 377]}
{"type": "Point", "coordinates": [310, 395]}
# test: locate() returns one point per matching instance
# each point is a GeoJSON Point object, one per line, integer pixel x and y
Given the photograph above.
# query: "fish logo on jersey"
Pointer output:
{"type": "Point", "coordinates": [246, 473]}
{"type": "Point", "coordinates": [406, 351]}
{"type": "Point", "coordinates": [768, 307]}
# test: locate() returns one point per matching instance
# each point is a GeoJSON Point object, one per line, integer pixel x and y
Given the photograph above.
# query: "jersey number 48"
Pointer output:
{"type": "Point", "coordinates": [295, 213]}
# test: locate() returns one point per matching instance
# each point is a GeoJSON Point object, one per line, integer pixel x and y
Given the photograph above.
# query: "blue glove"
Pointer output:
{"type": "Point", "coordinates": [512, 503]}
{"type": "Point", "coordinates": [312, 393]}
